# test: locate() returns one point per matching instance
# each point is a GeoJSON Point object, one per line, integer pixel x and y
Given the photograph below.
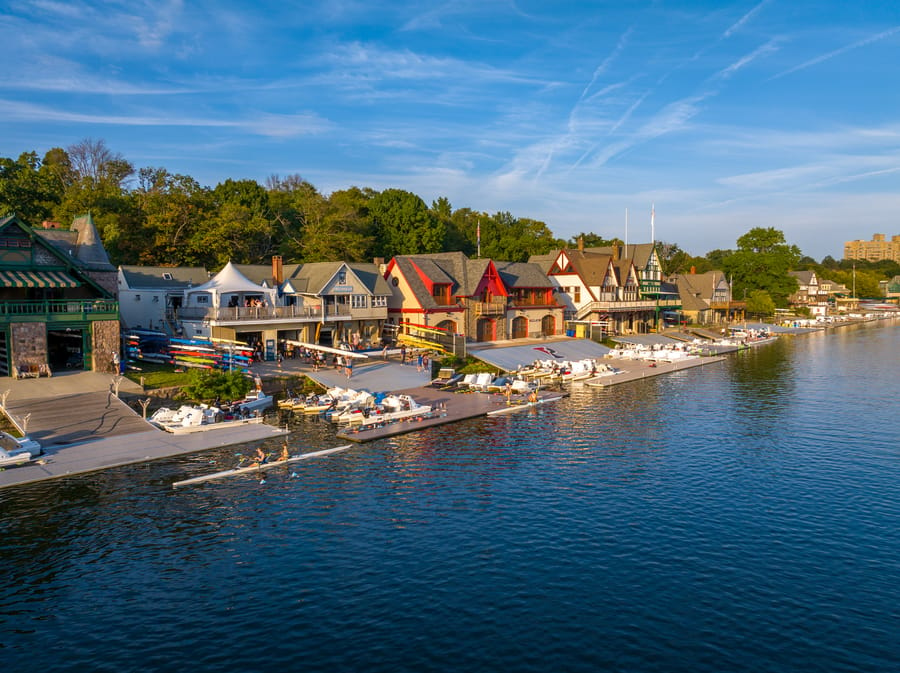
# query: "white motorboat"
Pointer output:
{"type": "Point", "coordinates": [187, 419]}
{"type": "Point", "coordinates": [17, 450]}
{"type": "Point", "coordinates": [255, 401]}
{"type": "Point", "coordinates": [391, 409]}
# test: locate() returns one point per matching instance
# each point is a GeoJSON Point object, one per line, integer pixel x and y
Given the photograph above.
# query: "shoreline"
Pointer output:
{"type": "Point", "coordinates": [146, 443]}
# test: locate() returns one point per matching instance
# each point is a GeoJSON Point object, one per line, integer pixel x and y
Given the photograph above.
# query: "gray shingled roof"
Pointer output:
{"type": "Point", "coordinates": [89, 248]}
{"type": "Point", "coordinates": [522, 275]}
{"type": "Point", "coordinates": [696, 289]}
{"type": "Point", "coordinates": [151, 277]}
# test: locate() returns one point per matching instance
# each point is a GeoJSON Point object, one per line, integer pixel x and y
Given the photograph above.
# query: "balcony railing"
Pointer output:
{"type": "Point", "coordinates": [307, 313]}
{"type": "Point", "coordinates": [535, 303]}
{"type": "Point", "coordinates": [59, 310]}
{"type": "Point", "coordinates": [488, 307]}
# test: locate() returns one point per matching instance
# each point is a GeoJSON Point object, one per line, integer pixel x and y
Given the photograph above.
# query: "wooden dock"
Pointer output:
{"type": "Point", "coordinates": [447, 406]}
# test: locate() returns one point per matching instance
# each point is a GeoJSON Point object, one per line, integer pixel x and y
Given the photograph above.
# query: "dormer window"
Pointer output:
{"type": "Point", "coordinates": [167, 276]}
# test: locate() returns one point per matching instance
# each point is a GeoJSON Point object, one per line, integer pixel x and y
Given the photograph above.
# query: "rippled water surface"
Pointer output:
{"type": "Point", "coordinates": [742, 516]}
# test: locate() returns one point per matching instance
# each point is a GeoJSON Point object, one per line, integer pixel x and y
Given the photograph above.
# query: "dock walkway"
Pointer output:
{"type": "Point", "coordinates": [82, 427]}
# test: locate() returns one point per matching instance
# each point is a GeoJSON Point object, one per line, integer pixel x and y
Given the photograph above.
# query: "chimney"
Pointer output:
{"type": "Point", "coordinates": [277, 270]}
{"type": "Point", "coordinates": [47, 224]}
{"type": "Point", "coordinates": [615, 252]}
{"type": "Point", "coordinates": [581, 244]}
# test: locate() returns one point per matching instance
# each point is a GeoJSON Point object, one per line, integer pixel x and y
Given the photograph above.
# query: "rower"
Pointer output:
{"type": "Point", "coordinates": [284, 452]}
{"type": "Point", "coordinates": [260, 456]}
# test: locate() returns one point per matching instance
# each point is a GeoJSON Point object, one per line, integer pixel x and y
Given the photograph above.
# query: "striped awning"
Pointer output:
{"type": "Point", "coordinates": [16, 278]}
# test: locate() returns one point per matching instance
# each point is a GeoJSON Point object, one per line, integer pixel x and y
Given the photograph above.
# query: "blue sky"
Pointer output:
{"type": "Point", "coordinates": [725, 115]}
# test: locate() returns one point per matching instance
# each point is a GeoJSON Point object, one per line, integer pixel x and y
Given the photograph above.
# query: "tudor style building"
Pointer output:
{"type": "Point", "coordinates": [58, 307]}
{"type": "Point", "coordinates": [706, 298]}
{"type": "Point", "coordinates": [478, 299]}
{"type": "Point", "coordinates": [618, 288]}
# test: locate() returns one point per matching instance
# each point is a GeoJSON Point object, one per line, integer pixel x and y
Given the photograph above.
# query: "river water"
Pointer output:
{"type": "Point", "coordinates": [742, 516]}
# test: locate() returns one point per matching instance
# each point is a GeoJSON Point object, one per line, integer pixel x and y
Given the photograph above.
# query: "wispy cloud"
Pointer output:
{"type": "Point", "coordinates": [601, 69]}
{"type": "Point", "coordinates": [737, 25]}
{"type": "Point", "coordinates": [262, 124]}
{"type": "Point", "coordinates": [837, 52]}
{"type": "Point", "coordinates": [763, 50]}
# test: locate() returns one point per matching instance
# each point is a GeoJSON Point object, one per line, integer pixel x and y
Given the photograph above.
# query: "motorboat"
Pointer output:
{"type": "Point", "coordinates": [255, 401]}
{"type": "Point", "coordinates": [17, 450]}
{"type": "Point", "coordinates": [390, 409]}
{"type": "Point", "coordinates": [187, 419]}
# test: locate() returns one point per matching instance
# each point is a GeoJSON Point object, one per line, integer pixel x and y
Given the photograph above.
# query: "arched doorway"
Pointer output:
{"type": "Point", "coordinates": [548, 325]}
{"type": "Point", "coordinates": [520, 327]}
{"type": "Point", "coordinates": [485, 329]}
{"type": "Point", "coordinates": [448, 325]}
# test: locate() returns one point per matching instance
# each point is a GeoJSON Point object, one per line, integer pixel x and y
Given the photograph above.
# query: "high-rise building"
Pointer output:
{"type": "Point", "coordinates": [875, 250]}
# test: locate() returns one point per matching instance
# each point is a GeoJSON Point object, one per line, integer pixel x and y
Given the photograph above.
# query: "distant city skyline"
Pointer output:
{"type": "Point", "coordinates": [725, 116]}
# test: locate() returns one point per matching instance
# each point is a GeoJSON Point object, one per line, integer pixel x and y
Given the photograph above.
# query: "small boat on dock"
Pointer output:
{"type": "Point", "coordinates": [187, 419]}
{"type": "Point", "coordinates": [17, 450]}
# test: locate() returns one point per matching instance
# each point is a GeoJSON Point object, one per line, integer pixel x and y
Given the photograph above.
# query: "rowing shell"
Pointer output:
{"type": "Point", "coordinates": [258, 468]}
{"type": "Point", "coordinates": [523, 405]}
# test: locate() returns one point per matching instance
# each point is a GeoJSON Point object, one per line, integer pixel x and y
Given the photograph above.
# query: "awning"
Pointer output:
{"type": "Point", "coordinates": [24, 278]}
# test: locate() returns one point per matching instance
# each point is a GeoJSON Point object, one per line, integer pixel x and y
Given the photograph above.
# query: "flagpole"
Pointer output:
{"type": "Point", "coordinates": [626, 229]}
{"type": "Point", "coordinates": [653, 223]}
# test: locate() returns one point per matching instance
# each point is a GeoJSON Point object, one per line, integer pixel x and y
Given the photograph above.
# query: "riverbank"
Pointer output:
{"type": "Point", "coordinates": [85, 427]}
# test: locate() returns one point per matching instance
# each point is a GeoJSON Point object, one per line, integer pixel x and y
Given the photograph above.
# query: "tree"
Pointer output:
{"type": "Point", "coordinates": [173, 208]}
{"type": "Point", "coordinates": [762, 262]}
{"type": "Point", "coordinates": [27, 190]}
{"type": "Point", "coordinates": [673, 259]}
{"type": "Point", "coordinates": [511, 239]}
{"type": "Point", "coordinates": [404, 225]}
{"type": "Point", "coordinates": [209, 384]}
{"type": "Point", "coordinates": [589, 240]}
{"type": "Point", "coordinates": [759, 303]}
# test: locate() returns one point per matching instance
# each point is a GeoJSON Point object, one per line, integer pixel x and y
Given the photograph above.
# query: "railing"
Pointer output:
{"type": "Point", "coordinates": [59, 310]}
{"type": "Point", "coordinates": [488, 307]}
{"type": "Point", "coordinates": [280, 313]}
{"type": "Point", "coordinates": [536, 303]}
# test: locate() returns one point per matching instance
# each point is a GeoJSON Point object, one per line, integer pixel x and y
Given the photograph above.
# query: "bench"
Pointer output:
{"type": "Point", "coordinates": [31, 371]}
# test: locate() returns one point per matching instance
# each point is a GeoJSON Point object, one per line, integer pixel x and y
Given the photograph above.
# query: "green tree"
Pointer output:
{"type": "Point", "coordinates": [205, 385]}
{"type": "Point", "coordinates": [590, 240]}
{"type": "Point", "coordinates": [760, 304]}
{"type": "Point", "coordinates": [673, 259]}
{"type": "Point", "coordinates": [762, 262]}
{"type": "Point", "coordinates": [511, 239]}
{"type": "Point", "coordinates": [26, 190]}
{"type": "Point", "coordinates": [404, 225]}
{"type": "Point", "coordinates": [173, 209]}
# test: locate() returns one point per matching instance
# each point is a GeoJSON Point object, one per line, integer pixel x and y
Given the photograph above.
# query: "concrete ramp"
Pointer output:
{"type": "Point", "coordinates": [509, 357]}
{"type": "Point", "coordinates": [75, 418]}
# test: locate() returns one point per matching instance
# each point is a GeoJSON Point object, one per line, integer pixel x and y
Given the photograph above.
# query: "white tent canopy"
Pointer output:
{"type": "Point", "coordinates": [228, 287]}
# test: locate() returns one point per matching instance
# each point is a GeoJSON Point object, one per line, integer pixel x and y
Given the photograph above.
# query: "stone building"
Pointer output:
{"type": "Point", "coordinates": [58, 307]}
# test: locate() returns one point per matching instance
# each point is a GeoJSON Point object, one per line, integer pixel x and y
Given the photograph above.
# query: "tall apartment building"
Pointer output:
{"type": "Point", "coordinates": [875, 250]}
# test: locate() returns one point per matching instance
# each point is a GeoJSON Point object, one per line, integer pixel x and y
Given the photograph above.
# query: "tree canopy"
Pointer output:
{"type": "Point", "coordinates": [761, 262]}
